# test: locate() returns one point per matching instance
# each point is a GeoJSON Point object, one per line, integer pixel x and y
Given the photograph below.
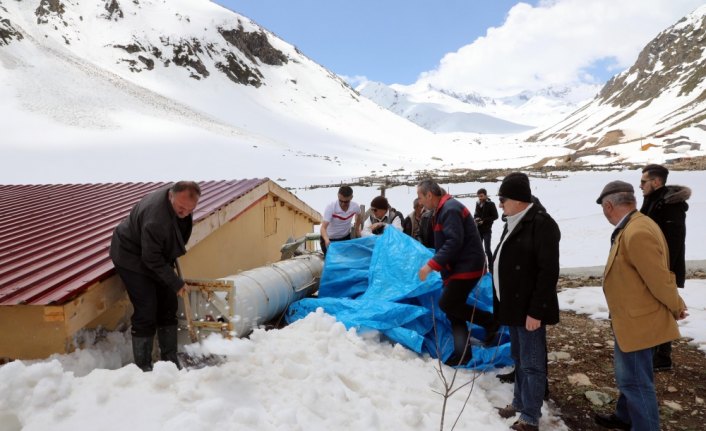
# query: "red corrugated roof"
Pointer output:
{"type": "Point", "coordinates": [54, 239]}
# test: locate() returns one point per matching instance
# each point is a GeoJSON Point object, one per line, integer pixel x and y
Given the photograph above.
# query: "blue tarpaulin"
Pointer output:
{"type": "Point", "coordinates": [372, 284]}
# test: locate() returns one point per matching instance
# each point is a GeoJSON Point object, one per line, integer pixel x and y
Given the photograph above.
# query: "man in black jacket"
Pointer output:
{"type": "Point", "coordinates": [525, 274]}
{"type": "Point", "coordinates": [485, 214]}
{"type": "Point", "coordinates": [460, 259]}
{"type": "Point", "coordinates": [667, 206]}
{"type": "Point", "coordinates": [144, 249]}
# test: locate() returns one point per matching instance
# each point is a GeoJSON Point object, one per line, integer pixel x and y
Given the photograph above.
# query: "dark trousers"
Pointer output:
{"type": "Point", "coordinates": [155, 305]}
{"type": "Point", "coordinates": [453, 303]}
{"type": "Point", "coordinates": [663, 355]}
{"type": "Point", "coordinates": [485, 237]}
{"type": "Point", "coordinates": [323, 244]}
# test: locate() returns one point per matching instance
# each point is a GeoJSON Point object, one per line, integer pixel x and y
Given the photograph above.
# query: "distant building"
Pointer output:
{"type": "Point", "coordinates": [55, 274]}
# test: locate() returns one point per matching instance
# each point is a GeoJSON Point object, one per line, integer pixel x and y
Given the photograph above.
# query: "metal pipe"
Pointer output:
{"type": "Point", "coordinates": [255, 296]}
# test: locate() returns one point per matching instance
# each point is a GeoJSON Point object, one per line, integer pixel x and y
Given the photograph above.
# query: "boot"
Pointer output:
{"type": "Point", "coordinates": [142, 352]}
{"type": "Point", "coordinates": [167, 338]}
{"type": "Point", "coordinates": [462, 345]}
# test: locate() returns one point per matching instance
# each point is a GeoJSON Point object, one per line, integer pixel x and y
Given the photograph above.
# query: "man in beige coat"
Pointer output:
{"type": "Point", "coordinates": [644, 306]}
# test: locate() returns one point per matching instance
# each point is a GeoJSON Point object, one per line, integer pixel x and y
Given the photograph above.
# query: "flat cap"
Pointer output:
{"type": "Point", "coordinates": [615, 187]}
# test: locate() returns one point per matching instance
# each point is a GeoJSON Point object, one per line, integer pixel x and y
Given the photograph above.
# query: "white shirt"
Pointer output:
{"type": "Point", "coordinates": [340, 221]}
{"type": "Point", "coordinates": [512, 222]}
{"type": "Point", "coordinates": [367, 225]}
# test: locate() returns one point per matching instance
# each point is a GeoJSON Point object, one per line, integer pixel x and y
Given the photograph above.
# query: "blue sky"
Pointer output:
{"type": "Point", "coordinates": [493, 47]}
{"type": "Point", "coordinates": [390, 41]}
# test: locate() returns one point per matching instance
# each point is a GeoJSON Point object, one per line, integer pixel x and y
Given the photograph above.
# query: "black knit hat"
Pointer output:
{"type": "Point", "coordinates": [516, 186]}
{"type": "Point", "coordinates": [379, 203]}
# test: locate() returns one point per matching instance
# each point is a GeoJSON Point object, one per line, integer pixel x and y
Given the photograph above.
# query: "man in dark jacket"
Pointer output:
{"type": "Point", "coordinates": [667, 206]}
{"type": "Point", "coordinates": [460, 259]}
{"type": "Point", "coordinates": [525, 274]}
{"type": "Point", "coordinates": [144, 249]}
{"type": "Point", "coordinates": [485, 214]}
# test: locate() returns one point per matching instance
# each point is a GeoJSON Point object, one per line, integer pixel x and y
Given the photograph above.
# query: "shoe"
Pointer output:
{"type": "Point", "coordinates": [610, 421]}
{"type": "Point", "coordinates": [507, 412]}
{"type": "Point", "coordinates": [523, 426]}
{"type": "Point", "coordinates": [508, 377]}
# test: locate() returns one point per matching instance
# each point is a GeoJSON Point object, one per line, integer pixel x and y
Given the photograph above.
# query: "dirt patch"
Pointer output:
{"type": "Point", "coordinates": [571, 163]}
{"type": "Point", "coordinates": [590, 344]}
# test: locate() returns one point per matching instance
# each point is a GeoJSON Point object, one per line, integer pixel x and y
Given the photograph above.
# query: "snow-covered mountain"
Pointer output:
{"type": "Point", "coordinates": [443, 111]}
{"type": "Point", "coordinates": [184, 82]}
{"type": "Point", "coordinates": [143, 90]}
{"type": "Point", "coordinates": [658, 105]}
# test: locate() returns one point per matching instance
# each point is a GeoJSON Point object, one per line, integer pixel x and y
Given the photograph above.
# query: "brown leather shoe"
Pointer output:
{"type": "Point", "coordinates": [523, 426]}
{"type": "Point", "coordinates": [507, 412]}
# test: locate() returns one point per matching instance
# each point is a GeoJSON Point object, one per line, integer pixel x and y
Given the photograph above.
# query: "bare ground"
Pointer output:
{"type": "Point", "coordinates": [590, 344]}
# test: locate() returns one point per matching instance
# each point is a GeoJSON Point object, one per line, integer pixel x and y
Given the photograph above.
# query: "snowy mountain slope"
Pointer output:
{"type": "Point", "coordinates": [429, 107]}
{"type": "Point", "coordinates": [439, 113]}
{"type": "Point", "coordinates": [184, 75]}
{"type": "Point", "coordinates": [658, 105]}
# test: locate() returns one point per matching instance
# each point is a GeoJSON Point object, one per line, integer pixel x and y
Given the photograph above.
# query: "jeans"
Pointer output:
{"type": "Point", "coordinates": [529, 351]}
{"type": "Point", "coordinates": [637, 403]}
{"type": "Point", "coordinates": [485, 237]}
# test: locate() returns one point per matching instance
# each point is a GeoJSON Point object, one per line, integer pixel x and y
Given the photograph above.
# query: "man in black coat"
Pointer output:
{"type": "Point", "coordinates": [144, 250]}
{"type": "Point", "coordinates": [525, 274]}
{"type": "Point", "coordinates": [667, 206]}
{"type": "Point", "coordinates": [460, 259]}
{"type": "Point", "coordinates": [485, 214]}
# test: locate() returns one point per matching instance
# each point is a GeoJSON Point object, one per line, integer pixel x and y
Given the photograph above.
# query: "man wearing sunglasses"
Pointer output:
{"type": "Point", "coordinates": [525, 274]}
{"type": "Point", "coordinates": [338, 217]}
{"type": "Point", "coordinates": [667, 206]}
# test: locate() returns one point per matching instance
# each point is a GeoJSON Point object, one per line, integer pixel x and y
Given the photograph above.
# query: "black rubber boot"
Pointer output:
{"type": "Point", "coordinates": [142, 352]}
{"type": "Point", "coordinates": [461, 342]}
{"type": "Point", "coordinates": [167, 338]}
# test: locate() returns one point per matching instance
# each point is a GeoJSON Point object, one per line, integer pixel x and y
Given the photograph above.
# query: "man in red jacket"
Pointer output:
{"type": "Point", "coordinates": [460, 259]}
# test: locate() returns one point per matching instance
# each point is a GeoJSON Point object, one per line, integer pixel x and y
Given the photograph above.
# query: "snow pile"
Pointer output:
{"type": "Point", "coordinates": [312, 375]}
{"type": "Point", "coordinates": [591, 301]}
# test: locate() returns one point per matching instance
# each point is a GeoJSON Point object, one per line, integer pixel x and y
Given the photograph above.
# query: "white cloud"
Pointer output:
{"type": "Point", "coordinates": [555, 44]}
{"type": "Point", "coordinates": [355, 81]}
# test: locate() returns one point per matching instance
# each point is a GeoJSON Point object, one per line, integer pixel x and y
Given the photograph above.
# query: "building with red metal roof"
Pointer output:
{"type": "Point", "coordinates": [55, 273]}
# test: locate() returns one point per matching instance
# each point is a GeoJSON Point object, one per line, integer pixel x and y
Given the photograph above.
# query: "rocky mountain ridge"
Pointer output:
{"type": "Point", "coordinates": [660, 101]}
{"type": "Point", "coordinates": [237, 55]}
{"type": "Point", "coordinates": [86, 74]}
